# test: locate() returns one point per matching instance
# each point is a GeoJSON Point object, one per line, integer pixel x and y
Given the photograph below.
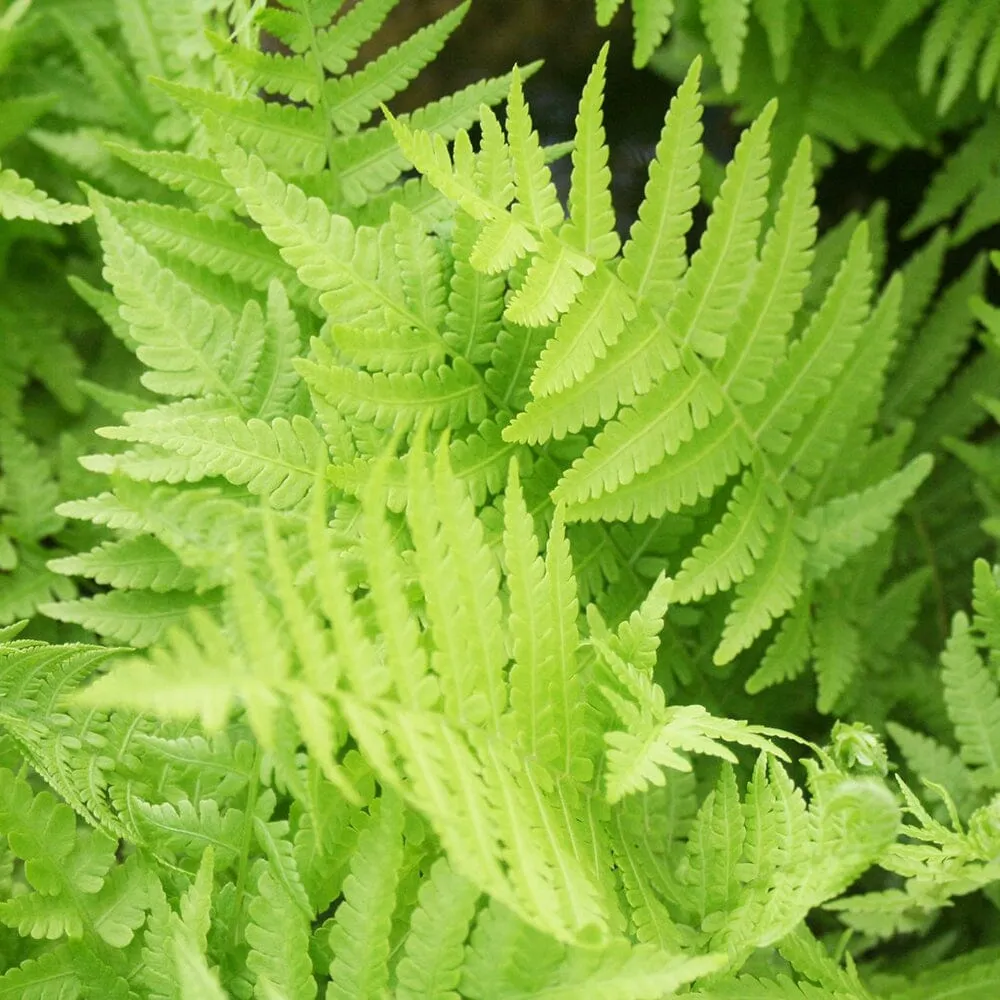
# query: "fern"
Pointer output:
{"type": "Point", "coordinates": [484, 711]}
{"type": "Point", "coordinates": [957, 47]}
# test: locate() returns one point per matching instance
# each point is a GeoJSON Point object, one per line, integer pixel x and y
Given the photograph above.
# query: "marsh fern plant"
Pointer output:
{"type": "Point", "coordinates": [453, 598]}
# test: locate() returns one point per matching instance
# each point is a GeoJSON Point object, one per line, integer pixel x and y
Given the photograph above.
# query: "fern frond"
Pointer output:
{"type": "Point", "coordinates": [52, 976]}
{"type": "Point", "coordinates": [591, 214]}
{"type": "Point", "coordinates": [369, 161]}
{"type": "Point", "coordinates": [294, 77]}
{"type": "Point", "coordinates": [952, 44]}
{"type": "Point", "coordinates": [455, 568]}
{"type": "Point", "coordinates": [726, 26]}
{"type": "Point", "coordinates": [199, 177]}
{"type": "Point", "coordinates": [844, 526]}
{"type": "Point", "coordinates": [182, 337]}
{"type": "Point", "coordinates": [351, 100]}
{"type": "Point", "coordinates": [20, 199]}
{"type": "Point", "coordinates": [973, 702]}
{"type": "Point", "coordinates": [329, 254]}
{"type": "Point", "coordinates": [224, 248]}
{"type": "Point", "coordinates": [135, 617]}
{"type": "Point", "coordinates": [362, 922]}
{"type": "Point", "coordinates": [452, 394]}
{"type": "Point", "coordinates": [962, 181]}
{"type": "Point", "coordinates": [277, 460]}
{"type": "Point", "coordinates": [130, 564]}
{"type": "Point", "coordinates": [278, 934]}
{"type": "Point", "coordinates": [433, 949]}
{"type": "Point", "coordinates": [766, 596]}
{"type": "Point", "coordinates": [288, 138]}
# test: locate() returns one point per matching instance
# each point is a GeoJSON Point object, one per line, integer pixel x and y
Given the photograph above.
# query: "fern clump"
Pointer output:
{"type": "Point", "coordinates": [616, 376]}
{"type": "Point", "coordinates": [433, 590]}
{"type": "Point", "coordinates": [491, 760]}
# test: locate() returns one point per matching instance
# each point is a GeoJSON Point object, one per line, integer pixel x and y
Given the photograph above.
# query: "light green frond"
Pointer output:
{"type": "Point", "coordinates": [288, 138]}
{"type": "Point", "coordinates": [765, 596]}
{"type": "Point", "coordinates": [715, 842]}
{"type": "Point", "coordinates": [635, 759]}
{"type": "Point", "coordinates": [537, 203]}
{"type": "Point", "coordinates": [591, 325]}
{"type": "Point", "coordinates": [938, 763]}
{"type": "Point", "coordinates": [848, 410]}
{"type": "Point", "coordinates": [818, 356]}
{"type": "Point", "coordinates": [159, 973]}
{"type": "Point", "coordinates": [54, 975]}
{"type": "Point", "coordinates": [754, 988]}
{"type": "Point", "coordinates": [195, 691]}
{"type": "Point", "coordinates": [223, 247]}
{"type": "Point", "coordinates": [973, 702]}
{"type": "Point", "coordinates": [695, 472]}
{"type": "Point", "coordinates": [399, 351]}
{"type": "Point", "coordinates": [136, 563]}
{"type": "Point", "coordinates": [196, 979]}
{"type": "Point", "coordinates": [552, 283]}
{"type": "Point", "coordinates": [405, 656]}
{"type": "Point", "coordinates": [189, 829]}
{"type": "Point", "coordinates": [198, 177]}
{"type": "Point", "coordinates": [446, 781]}
{"type": "Point", "coordinates": [429, 154]}
{"type": "Point", "coordinates": [369, 161]}
{"type": "Point", "coordinates": [986, 604]}
{"type": "Point", "coordinates": [451, 395]}
{"type": "Point", "coordinates": [277, 461]}
{"type": "Point", "coordinates": [20, 199]}
{"type": "Point", "coordinates": [329, 254]}
{"type": "Point", "coordinates": [339, 43]}
{"type": "Point", "coordinates": [529, 697]}
{"type": "Point", "coordinates": [136, 617]}
{"type": "Point", "coordinates": [182, 337]}
{"type": "Point", "coordinates": [475, 300]}
{"type": "Point", "coordinates": [639, 439]}
{"type": "Point", "coordinates": [606, 10]}
{"type": "Point", "coordinates": [757, 341]}
{"type": "Point", "coordinates": [787, 656]}
{"type": "Point", "coordinates": [359, 937]}
{"type": "Point", "coordinates": [471, 565]}
{"type": "Point", "coordinates": [844, 526]}
{"type": "Point", "coordinates": [512, 359]}
{"type": "Point", "coordinates": [591, 214]}
{"type": "Point", "coordinates": [726, 26]}
{"type": "Point", "coordinates": [560, 659]}
{"type": "Point", "coordinates": [430, 968]}
{"type": "Point", "coordinates": [294, 77]}
{"type": "Point", "coordinates": [278, 934]}
{"type": "Point", "coordinates": [362, 667]}
{"type": "Point", "coordinates": [650, 22]}
{"type": "Point", "coordinates": [623, 972]}
{"type": "Point", "coordinates": [421, 268]}
{"type": "Point", "coordinates": [729, 554]}
{"type": "Point", "coordinates": [273, 387]}
{"type": "Point", "coordinates": [443, 595]}
{"type": "Point", "coordinates": [350, 100]}
{"type": "Point", "coordinates": [706, 305]}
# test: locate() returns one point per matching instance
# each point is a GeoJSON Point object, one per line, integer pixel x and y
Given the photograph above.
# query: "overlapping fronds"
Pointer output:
{"type": "Point", "coordinates": [438, 527]}
{"type": "Point", "coordinates": [955, 41]}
